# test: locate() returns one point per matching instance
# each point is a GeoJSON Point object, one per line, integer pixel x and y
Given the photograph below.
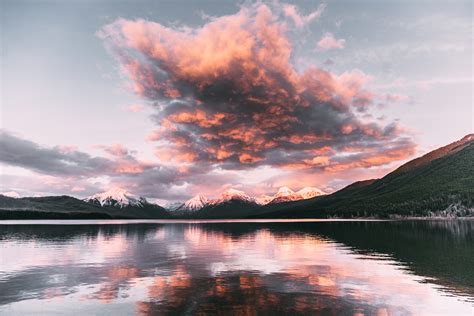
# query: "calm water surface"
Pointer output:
{"type": "Point", "coordinates": [245, 268]}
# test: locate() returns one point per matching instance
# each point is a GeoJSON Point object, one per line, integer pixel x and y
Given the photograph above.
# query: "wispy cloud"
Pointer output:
{"type": "Point", "coordinates": [135, 108]}
{"type": "Point", "coordinates": [300, 20]}
{"type": "Point", "coordinates": [423, 83]}
{"type": "Point", "coordinates": [329, 42]}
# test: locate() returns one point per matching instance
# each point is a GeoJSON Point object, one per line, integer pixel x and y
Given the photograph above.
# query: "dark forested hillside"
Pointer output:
{"type": "Point", "coordinates": [66, 207]}
{"type": "Point", "coordinates": [439, 183]}
{"type": "Point", "coordinates": [229, 209]}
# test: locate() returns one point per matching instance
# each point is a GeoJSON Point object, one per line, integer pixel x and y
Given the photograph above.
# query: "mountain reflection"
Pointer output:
{"type": "Point", "coordinates": [365, 268]}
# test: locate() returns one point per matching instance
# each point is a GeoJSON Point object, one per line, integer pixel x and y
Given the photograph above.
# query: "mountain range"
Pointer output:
{"type": "Point", "coordinates": [440, 183]}
{"type": "Point", "coordinates": [116, 197]}
{"type": "Point", "coordinates": [200, 201]}
{"type": "Point", "coordinates": [115, 203]}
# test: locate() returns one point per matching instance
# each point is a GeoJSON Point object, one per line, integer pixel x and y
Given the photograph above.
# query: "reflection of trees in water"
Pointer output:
{"type": "Point", "coordinates": [439, 250]}
{"type": "Point", "coordinates": [68, 232]}
{"type": "Point", "coordinates": [182, 283]}
{"type": "Point", "coordinates": [463, 229]}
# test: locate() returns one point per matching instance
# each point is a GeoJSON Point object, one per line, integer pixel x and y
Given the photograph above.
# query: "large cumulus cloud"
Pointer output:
{"type": "Point", "coordinates": [228, 93]}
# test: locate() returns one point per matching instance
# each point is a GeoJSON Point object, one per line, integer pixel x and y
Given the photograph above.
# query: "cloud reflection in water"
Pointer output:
{"type": "Point", "coordinates": [201, 268]}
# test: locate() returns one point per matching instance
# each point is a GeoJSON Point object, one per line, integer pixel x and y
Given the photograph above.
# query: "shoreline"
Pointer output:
{"type": "Point", "coordinates": [213, 221]}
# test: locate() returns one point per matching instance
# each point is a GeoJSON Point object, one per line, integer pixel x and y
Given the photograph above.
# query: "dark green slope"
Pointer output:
{"type": "Point", "coordinates": [441, 180]}
{"type": "Point", "coordinates": [150, 211]}
{"type": "Point", "coordinates": [66, 207]}
{"type": "Point", "coordinates": [229, 209]}
{"type": "Point", "coordinates": [61, 203]}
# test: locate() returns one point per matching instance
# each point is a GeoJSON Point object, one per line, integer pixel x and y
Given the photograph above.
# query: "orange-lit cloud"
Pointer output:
{"type": "Point", "coordinates": [228, 97]}
{"type": "Point", "coordinates": [229, 94]}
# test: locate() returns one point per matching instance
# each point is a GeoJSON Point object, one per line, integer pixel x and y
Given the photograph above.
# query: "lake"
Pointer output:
{"type": "Point", "coordinates": [237, 267]}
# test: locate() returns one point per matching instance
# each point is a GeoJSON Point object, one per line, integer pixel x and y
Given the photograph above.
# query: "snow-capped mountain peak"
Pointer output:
{"type": "Point", "coordinates": [284, 191]}
{"type": "Point", "coordinates": [263, 199]}
{"type": "Point", "coordinates": [195, 203]}
{"type": "Point", "coordinates": [11, 194]}
{"type": "Point", "coordinates": [233, 194]}
{"type": "Point", "coordinates": [309, 192]}
{"type": "Point", "coordinates": [285, 194]}
{"type": "Point", "coordinates": [116, 197]}
{"type": "Point", "coordinates": [173, 206]}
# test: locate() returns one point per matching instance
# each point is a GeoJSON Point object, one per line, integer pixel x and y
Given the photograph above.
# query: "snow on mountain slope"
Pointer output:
{"type": "Point", "coordinates": [11, 194]}
{"type": "Point", "coordinates": [284, 191]}
{"type": "Point", "coordinates": [309, 192]}
{"type": "Point", "coordinates": [235, 195]}
{"type": "Point", "coordinates": [263, 199]}
{"type": "Point", "coordinates": [285, 194]}
{"type": "Point", "coordinates": [193, 204]}
{"type": "Point", "coordinates": [173, 206]}
{"type": "Point", "coordinates": [116, 197]}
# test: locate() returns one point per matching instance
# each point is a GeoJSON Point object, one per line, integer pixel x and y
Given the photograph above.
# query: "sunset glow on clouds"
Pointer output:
{"type": "Point", "coordinates": [329, 42]}
{"type": "Point", "coordinates": [236, 100]}
{"type": "Point", "coordinates": [227, 93]}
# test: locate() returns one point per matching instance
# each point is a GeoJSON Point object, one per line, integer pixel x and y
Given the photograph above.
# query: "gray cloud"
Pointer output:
{"type": "Point", "coordinates": [74, 171]}
{"type": "Point", "coordinates": [58, 161]}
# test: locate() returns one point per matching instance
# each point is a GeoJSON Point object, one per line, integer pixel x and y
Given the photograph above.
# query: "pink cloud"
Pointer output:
{"type": "Point", "coordinates": [77, 189]}
{"type": "Point", "coordinates": [329, 42]}
{"type": "Point", "coordinates": [135, 108]}
{"type": "Point", "coordinates": [65, 149]}
{"type": "Point", "coordinates": [389, 97]}
{"type": "Point", "coordinates": [234, 98]}
{"type": "Point", "coordinates": [300, 20]}
{"type": "Point", "coordinates": [117, 150]}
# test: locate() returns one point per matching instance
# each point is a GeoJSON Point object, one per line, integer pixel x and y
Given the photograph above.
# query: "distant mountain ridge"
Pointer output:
{"type": "Point", "coordinates": [111, 204]}
{"type": "Point", "coordinates": [236, 204]}
{"type": "Point", "coordinates": [119, 203]}
{"type": "Point", "coordinates": [116, 197]}
{"type": "Point", "coordinates": [233, 194]}
{"type": "Point", "coordinates": [195, 203]}
{"type": "Point", "coordinates": [284, 194]}
{"type": "Point", "coordinates": [437, 153]}
{"type": "Point", "coordinates": [440, 183]}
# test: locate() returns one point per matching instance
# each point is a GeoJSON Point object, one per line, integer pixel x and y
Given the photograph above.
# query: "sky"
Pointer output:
{"type": "Point", "coordinates": [169, 99]}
